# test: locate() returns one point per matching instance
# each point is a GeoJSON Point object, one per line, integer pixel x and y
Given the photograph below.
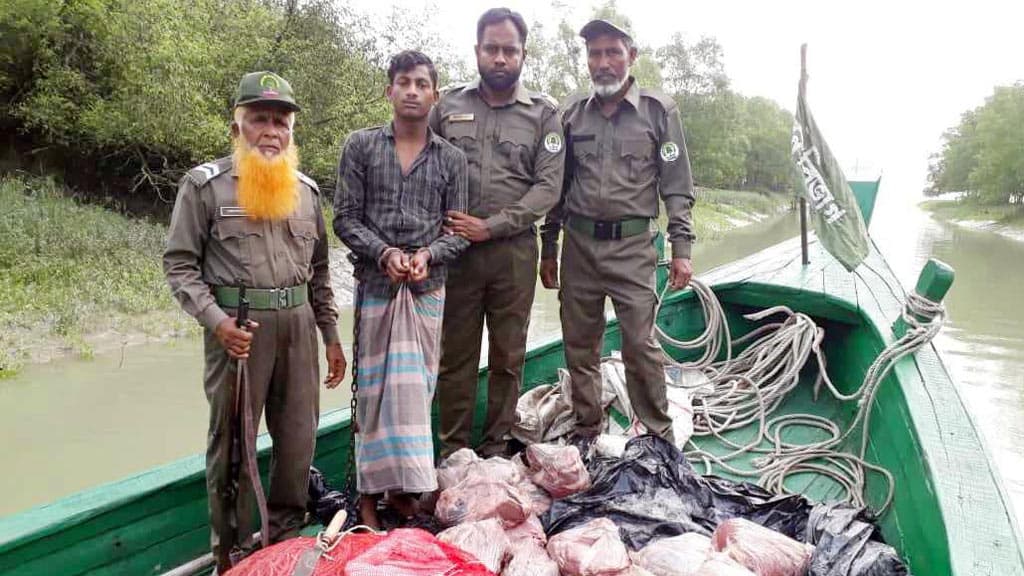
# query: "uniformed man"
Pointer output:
{"type": "Point", "coordinates": [625, 148]}
{"type": "Point", "coordinates": [513, 140]}
{"type": "Point", "coordinates": [253, 220]}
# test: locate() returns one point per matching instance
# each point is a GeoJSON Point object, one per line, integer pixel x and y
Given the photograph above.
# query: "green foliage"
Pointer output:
{"type": "Point", "coordinates": [131, 93]}
{"type": "Point", "coordinates": [984, 154]}
{"type": "Point", "coordinates": [143, 88]}
{"type": "Point", "coordinates": [68, 268]}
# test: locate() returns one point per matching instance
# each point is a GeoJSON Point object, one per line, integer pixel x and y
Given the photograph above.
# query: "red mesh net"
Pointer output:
{"type": "Point", "coordinates": [280, 559]}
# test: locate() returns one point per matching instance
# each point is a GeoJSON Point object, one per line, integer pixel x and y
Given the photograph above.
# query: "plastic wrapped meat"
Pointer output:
{"type": "Point", "coordinates": [721, 565]}
{"type": "Point", "coordinates": [455, 467]}
{"type": "Point", "coordinates": [593, 549]}
{"type": "Point", "coordinates": [676, 556]}
{"type": "Point", "coordinates": [476, 499]}
{"type": "Point", "coordinates": [413, 552]}
{"type": "Point", "coordinates": [557, 469]}
{"type": "Point", "coordinates": [765, 552]}
{"type": "Point", "coordinates": [486, 540]}
{"type": "Point", "coordinates": [530, 532]}
{"type": "Point", "coordinates": [496, 468]}
{"type": "Point", "coordinates": [538, 498]}
{"type": "Point", "coordinates": [531, 560]}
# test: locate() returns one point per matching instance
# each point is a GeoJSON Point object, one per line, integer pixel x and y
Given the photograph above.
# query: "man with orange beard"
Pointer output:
{"type": "Point", "coordinates": [253, 220]}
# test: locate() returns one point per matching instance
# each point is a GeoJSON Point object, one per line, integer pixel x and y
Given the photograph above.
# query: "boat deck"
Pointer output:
{"type": "Point", "coordinates": [947, 489]}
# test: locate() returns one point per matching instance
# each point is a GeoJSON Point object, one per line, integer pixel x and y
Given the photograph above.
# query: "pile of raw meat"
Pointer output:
{"type": "Point", "coordinates": [642, 512]}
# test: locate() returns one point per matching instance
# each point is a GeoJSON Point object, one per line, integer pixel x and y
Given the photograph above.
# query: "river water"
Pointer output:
{"type": "Point", "coordinates": [73, 424]}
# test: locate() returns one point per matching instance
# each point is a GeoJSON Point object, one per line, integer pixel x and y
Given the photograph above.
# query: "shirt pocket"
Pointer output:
{"type": "Point", "coordinates": [637, 156]}
{"type": "Point", "coordinates": [463, 136]}
{"type": "Point", "coordinates": [424, 197]}
{"type": "Point", "coordinates": [234, 236]}
{"type": "Point", "coordinates": [585, 157]}
{"type": "Point", "coordinates": [302, 238]}
{"type": "Point", "coordinates": [514, 149]}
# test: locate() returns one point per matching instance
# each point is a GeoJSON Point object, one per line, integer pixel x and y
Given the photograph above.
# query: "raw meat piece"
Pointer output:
{"type": "Point", "coordinates": [455, 467]}
{"type": "Point", "coordinates": [719, 564]}
{"type": "Point", "coordinates": [538, 498]}
{"type": "Point", "coordinates": [529, 532]}
{"type": "Point", "coordinates": [531, 560]}
{"type": "Point", "coordinates": [676, 556]}
{"type": "Point", "coordinates": [486, 540]}
{"type": "Point", "coordinates": [557, 469]}
{"type": "Point", "coordinates": [479, 499]}
{"type": "Point", "coordinates": [593, 549]}
{"type": "Point", "coordinates": [765, 552]}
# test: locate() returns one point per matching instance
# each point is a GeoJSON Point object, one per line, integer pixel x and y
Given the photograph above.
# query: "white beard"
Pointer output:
{"type": "Point", "coordinates": [606, 90]}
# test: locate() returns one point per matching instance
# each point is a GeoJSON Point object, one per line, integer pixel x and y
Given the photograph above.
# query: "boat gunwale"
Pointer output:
{"type": "Point", "coordinates": [38, 523]}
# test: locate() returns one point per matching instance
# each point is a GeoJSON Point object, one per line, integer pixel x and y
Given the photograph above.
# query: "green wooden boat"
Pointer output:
{"type": "Point", "coordinates": [950, 514]}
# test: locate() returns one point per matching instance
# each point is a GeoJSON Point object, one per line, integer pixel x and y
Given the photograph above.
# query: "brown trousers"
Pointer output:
{"type": "Point", "coordinates": [492, 281]}
{"type": "Point", "coordinates": [624, 271]}
{"type": "Point", "coordinates": [284, 380]}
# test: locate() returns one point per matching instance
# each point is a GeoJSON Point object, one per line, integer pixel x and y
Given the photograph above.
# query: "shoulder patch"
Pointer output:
{"type": "Point", "coordinates": [452, 88]}
{"type": "Point", "coordinates": [665, 100]}
{"type": "Point", "coordinates": [308, 181]}
{"type": "Point", "coordinates": [545, 98]}
{"type": "Point", "coordinates": [205, 172]}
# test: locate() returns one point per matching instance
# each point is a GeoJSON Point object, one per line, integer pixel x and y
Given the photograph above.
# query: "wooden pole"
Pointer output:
{"type": "Point", "coordinates": [803, 199]}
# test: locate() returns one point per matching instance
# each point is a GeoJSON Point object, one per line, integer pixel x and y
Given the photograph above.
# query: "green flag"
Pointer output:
{"type": "Point", "coordinates": [834, 212]}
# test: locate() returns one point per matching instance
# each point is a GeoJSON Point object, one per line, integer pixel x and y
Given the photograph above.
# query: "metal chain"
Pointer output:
{"type": "Point", "coordinates": [350, 485]}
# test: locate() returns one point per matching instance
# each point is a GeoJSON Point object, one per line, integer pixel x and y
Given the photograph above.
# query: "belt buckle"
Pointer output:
{"type": "Point", "coordinates": [282, 298]}
{"type": "Point", "coordinates": [607, 230]}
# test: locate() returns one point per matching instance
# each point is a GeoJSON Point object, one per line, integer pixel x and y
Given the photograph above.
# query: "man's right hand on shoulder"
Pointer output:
{"type": "Point", "coordinates": [549, 273]}
{"type": "Point", "coordinates": [235, 340]}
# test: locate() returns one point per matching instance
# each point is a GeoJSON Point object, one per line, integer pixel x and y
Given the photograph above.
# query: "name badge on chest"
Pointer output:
{"type": "Point", "coordinates": [232, 212]}
{"type": "Point", "coordinates": [469, 117]}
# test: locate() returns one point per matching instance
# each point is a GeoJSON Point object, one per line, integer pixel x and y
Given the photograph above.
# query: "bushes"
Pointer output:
{"type": "Point", "coordinates": [142, 88]}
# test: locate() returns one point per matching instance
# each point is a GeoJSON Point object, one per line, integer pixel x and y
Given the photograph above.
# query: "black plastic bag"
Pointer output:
{"type": "Point", "coordinates": [847, 544]}
{"type": "Point", "coordinates": [652, 492]}
{"type": "Point", "coordinates": [324, 502]}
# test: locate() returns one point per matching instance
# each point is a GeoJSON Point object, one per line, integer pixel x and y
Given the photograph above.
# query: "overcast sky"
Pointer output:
{"type": "Point", "coordinates": [886, 77]}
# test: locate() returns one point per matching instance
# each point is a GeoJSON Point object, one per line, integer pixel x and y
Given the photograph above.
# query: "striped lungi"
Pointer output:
{"type": "Point", "coordinates": [399, 350]}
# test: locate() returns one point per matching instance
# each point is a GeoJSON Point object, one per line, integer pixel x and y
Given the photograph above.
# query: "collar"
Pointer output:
{"type": "Point", "coordinates": [522, 95]}
{"type": "Point", "coordinates": [632, 95]}
{"type": "Point", "coordinates": [389, 132]}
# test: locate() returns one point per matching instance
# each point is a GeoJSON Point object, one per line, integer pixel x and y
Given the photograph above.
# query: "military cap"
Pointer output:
{"type": "Point", "coordinates": [600, 26]}
{"type": "Point", "coordinates": [267, 88]}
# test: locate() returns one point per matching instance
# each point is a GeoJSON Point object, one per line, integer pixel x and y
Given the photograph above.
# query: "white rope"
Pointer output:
{"type": "Point", "coordinates": [750, 387]}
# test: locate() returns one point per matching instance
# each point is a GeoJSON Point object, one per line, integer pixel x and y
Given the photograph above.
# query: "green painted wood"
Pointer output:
{"type": "Point", "coordinates": [933, 283]}
{"type": "Point", "coordinates": [950, 514]}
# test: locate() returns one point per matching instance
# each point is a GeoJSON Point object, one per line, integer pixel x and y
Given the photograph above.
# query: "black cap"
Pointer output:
{"type": "Point", "coordinates": [600, 26]}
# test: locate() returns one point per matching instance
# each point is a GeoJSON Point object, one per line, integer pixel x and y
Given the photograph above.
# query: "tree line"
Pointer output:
{"type": "Point", "coordinates": [125, 95]}
{"type": "Point", "coordinates": [983, 155]}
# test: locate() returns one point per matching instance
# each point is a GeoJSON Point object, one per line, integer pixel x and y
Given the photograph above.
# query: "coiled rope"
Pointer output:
{"type": "Point", "coordinates": [750, 388]}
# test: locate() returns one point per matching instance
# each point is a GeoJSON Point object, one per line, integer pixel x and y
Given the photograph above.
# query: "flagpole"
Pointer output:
{"type": "Point", "coordinates": [803, 199]}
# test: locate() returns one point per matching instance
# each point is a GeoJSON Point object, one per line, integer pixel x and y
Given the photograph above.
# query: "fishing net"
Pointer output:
{"type": "Point", "coordinates": [281, 558]}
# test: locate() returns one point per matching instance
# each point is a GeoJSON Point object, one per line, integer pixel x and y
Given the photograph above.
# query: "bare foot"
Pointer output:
{"type": "Point", "coordinates": [368, 511]}
{"type": "Point", "coordinates": [405, 504]}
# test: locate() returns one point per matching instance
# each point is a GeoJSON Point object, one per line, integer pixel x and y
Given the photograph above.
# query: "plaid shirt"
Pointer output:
{"type": "Point", "coordinates": [377, 207]}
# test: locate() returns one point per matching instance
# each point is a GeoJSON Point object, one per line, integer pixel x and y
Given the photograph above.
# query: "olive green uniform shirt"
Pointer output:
{"type": "Point", "coordinates": [211, 242]}
{"type": "Point", "coordinates": [516, 154]}
{"type": "Point", "coordinates": [617, 167]}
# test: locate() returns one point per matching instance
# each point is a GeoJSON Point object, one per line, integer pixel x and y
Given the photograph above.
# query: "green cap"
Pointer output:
{"type": "Point", "coordinates": [601, 26]}
{"type": "Point", "coordinates": [265, 87]}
